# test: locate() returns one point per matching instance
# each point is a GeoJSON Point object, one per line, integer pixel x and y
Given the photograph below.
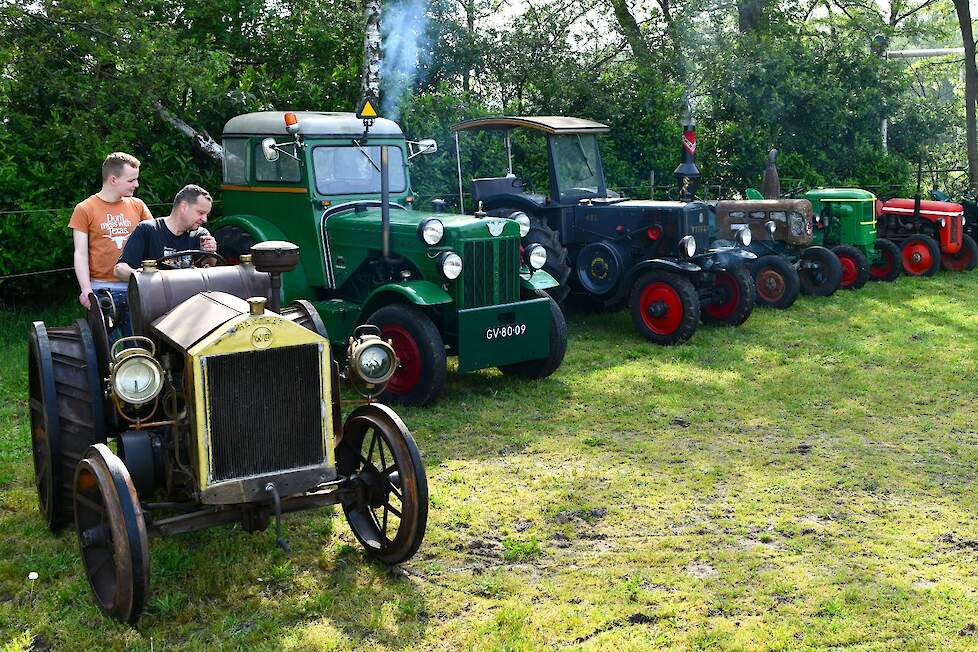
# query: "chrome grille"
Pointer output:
{"type": "Point", "coordinates": [265, 411]}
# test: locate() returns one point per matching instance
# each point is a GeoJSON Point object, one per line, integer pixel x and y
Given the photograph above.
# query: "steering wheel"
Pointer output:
{"type": "Point", "coordinates": [196, 257]}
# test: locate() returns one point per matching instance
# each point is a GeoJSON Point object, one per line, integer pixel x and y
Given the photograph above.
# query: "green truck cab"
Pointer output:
{"type": "Point", "coordinates": [847, 216]}
{"type": "Point", "coordinates": [436, 284]}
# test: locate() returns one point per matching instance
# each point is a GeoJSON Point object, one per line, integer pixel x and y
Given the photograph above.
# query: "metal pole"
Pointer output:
{"type": "Point", "coordinates": [385, 201]}
{"type": "Point", "coordinates": [652, 184]}
{"type": "Point", "coordinates": [509, 153]}
{"type": "Point", "coordinates": [458, 161]}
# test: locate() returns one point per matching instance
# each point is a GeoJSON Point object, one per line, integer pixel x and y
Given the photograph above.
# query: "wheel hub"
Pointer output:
{"type": "Point", "coordinates": [658, 309]}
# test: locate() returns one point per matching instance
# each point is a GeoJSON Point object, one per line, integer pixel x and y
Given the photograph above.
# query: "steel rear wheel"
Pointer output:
{"type": "Point", "coordinates": [855, 267]}
{"type": "Point", "coordinates": [664, 307]}
{"type": "Point", "coordinates": [389, 512]}
{"type": "Point", "coordinates": [820, 271]}
{"type": "Point", "coordinates": [920, 255]}
{"type": "Point", "coordinates": [66, 410]}
{"type": "Point", "coordinates": [965, 260]}
{"type": "Point", "coordinates": [776, 282]}
{"type": "Point", "coordinates": [420, 375]}
{"type": "Point", "coordinates": [111, 534]}
{"type": "Point", "coordinates": [888, 267]}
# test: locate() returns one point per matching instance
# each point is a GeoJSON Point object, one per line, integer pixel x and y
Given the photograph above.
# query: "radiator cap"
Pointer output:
{"type": "Point", "coordinates": [274, 256]}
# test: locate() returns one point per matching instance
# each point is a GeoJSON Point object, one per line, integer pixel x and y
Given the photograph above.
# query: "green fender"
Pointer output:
{"type": "Point", "coordinates": [418, 293]}
{"type": "Point", "coordinates": [295, 284]}
{"type": "Point", "coordinates": [538, 280]}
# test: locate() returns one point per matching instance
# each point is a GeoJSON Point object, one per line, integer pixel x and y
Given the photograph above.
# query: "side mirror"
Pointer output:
{"type": "Point", "coordinates": [268, 150]}
{"type": "Point", "coordinates": [424, 146]}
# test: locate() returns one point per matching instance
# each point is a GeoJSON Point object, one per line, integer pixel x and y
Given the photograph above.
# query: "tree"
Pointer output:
{"type": "Point", "coordinates": [970, 87]}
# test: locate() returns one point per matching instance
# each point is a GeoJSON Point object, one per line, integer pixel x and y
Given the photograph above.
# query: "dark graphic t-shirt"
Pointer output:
{"type": "Point", "coordinates": [152, 240]}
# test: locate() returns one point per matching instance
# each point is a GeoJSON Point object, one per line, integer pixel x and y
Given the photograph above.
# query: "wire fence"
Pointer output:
{"type": "Point", "coordinates": [706, 192]}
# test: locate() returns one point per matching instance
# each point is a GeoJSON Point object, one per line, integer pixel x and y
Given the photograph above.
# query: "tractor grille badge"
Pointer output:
{"type": "Point", "coordinates": [496, 227]}
{"type": "Point", "coordinates": [261, 337]}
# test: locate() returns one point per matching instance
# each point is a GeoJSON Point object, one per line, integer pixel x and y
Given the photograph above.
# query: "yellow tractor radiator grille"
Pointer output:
{"type": "Point", "coordinates": [490, 272]}
{"type": "Point", "coordinates": [264, 411]}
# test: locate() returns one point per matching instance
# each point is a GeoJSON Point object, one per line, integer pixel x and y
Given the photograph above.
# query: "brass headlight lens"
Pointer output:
{"type": "Point", "coordinates": [376, 363]}
{"type": "Point", "coordinates": [138, 378]}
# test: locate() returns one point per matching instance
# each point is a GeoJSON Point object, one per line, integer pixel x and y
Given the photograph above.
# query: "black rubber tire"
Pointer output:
{"type": "Point", "coordinates": [111, 534]}
{"type": "Point", "coordinates": [401, 477]}
{"type": "Point", "coordinates": [735, 311]}
{"type": "Point", "coordinates": [965, 260]}
{"type": "Point", "coordinates": [890, 268]}
{"type": "Point", "coordinates": [933, 251]}
{"type": "Point", "coordinates": [824, 280]}
{"type": "Point", "coordinates": [855, 267]}
{"type": "Point", "coordinates": [543, 367]}
{"type": "Point", "coordinates": [67, 412]}
{"type": "Point", "coordinates": [776, 282]}
{"type": "Point", "coordinates": [557, 265]}
{"type": "Point", "coordinates": [673, 289]}
{"type": "Point", "coordinates": [420, 377]}
{"type": "Point", "coordinates": [232, 241]}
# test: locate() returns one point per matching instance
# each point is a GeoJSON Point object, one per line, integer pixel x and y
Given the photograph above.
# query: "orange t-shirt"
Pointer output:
{"type": "Point", "coordinates": [108, 227]}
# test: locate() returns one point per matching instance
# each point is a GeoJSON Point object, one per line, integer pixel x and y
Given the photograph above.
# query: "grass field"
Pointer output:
{"type": "Point", "coordinates": [806, 481]}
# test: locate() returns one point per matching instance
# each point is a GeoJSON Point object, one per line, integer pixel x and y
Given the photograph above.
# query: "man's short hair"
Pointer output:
{"type": "Point", "coordinates": [190, 193]}
{"type": "Point", "coordinates": [115, 162]}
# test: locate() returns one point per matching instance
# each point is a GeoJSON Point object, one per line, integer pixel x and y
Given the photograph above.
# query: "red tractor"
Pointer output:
{"type": "Point", "coordinates": [929, 234]}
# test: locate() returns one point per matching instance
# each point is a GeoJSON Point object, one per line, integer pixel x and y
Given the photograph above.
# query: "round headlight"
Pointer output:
{"type": "Point", "coordinates": [431, 231]}
{"type": "Point", "coordinates": [376, 363]}
{"type": "Point", "coordinates": [536, 256]}
{"type": "Point", "coordinates": [523, 220]}
{"type": "Point", "coordinates": [137, 379]}
{"type": "Point", "coordinates": [688, 246]}
{"type": "Point", "coordinates": [942, 222]}
{"type": "Point", "coordinates": [744, 237]}
{"type": "Point", "coordinates": [450, 264]}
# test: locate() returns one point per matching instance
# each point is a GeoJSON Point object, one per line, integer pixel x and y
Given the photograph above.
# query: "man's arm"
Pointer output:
{"type": "Point", "coordinates": [80, 259]}
{"type": "Point", "coordinates": [133, 253]}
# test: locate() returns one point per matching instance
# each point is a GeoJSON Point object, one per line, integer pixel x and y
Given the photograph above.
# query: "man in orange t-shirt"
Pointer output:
{"type": "Point", "coordinates": [101, 225]}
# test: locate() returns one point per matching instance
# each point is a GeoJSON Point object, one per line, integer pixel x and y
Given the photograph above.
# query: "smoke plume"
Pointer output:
{"type": "Point", "coordinates": [403, 25]}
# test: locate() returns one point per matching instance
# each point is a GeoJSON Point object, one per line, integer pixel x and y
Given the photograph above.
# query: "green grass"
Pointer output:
{"type": "Point", "coordinates": [806, 481]}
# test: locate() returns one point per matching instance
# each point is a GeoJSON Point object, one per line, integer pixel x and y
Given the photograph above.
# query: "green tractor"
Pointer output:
{"type": "Point", "coordinates": [845, 221]}
{"type": "Point", "coordinates": [436, 285]}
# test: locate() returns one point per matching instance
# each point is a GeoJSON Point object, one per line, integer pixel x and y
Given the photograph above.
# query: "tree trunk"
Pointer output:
{"type": "Point", "coordinates": [750, 14]}
{"type": "Point", "coordinates": [202, 139]}
{"type": "Point", "coordinates": [372, 55]}
{"type": "Point", "coordinates": [631, 32]}
{"type": "Point", "coordinates": [970, 87]}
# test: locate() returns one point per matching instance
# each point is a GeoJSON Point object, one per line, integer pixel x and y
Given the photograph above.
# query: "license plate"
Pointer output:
{"type": "Point", "coordinates": [502, 332]}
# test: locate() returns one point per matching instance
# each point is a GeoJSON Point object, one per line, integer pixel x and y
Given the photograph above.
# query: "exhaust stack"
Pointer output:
{"type": "Point", "coordinates": [687, 174]}
{"type": "Point", "coordinates": [771, 183]}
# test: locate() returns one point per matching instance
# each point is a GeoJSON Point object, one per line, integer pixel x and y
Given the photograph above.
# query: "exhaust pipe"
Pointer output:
{"type": "Point", "coordinates": [687, 174]}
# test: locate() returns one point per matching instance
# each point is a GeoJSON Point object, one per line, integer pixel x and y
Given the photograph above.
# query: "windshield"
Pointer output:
{"type": "Point", "coordinates": [351, 170]}
{"type": "Point", "coordinates": [576, 163]}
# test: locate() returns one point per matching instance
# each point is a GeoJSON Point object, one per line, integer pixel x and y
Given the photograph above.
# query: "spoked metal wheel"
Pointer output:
{"type": "Point", "coordinates": [389, 511]}
{"type": "Point", "coordinates": [111, 534]}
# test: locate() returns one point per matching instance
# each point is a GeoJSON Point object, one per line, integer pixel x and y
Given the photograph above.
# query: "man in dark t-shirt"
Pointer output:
{"type": "Point", "coordinates": [182, 229]}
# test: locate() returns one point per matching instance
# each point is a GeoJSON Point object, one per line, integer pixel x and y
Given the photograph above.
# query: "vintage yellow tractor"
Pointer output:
{"type": "Point", "coordinates": [221, 408]}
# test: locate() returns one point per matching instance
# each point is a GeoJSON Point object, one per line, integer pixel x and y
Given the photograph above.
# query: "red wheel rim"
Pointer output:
{"type": "Point", "coordinates": [727, 308]}
{"type": "Point", "coordinates": [850, 271]}
{"type": "Point", "coordinates": [957, 262]}
{"type": "Point", "coordinates": [885, 267]}
{"type": "Point", "coordinates": [408, 355]}
{"type": "Point", "coordinates": [654, 293]}
{"type": "Point", "coordinates": [770, 285]}
{"type": "Point", "coordinates": [916, 258]}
